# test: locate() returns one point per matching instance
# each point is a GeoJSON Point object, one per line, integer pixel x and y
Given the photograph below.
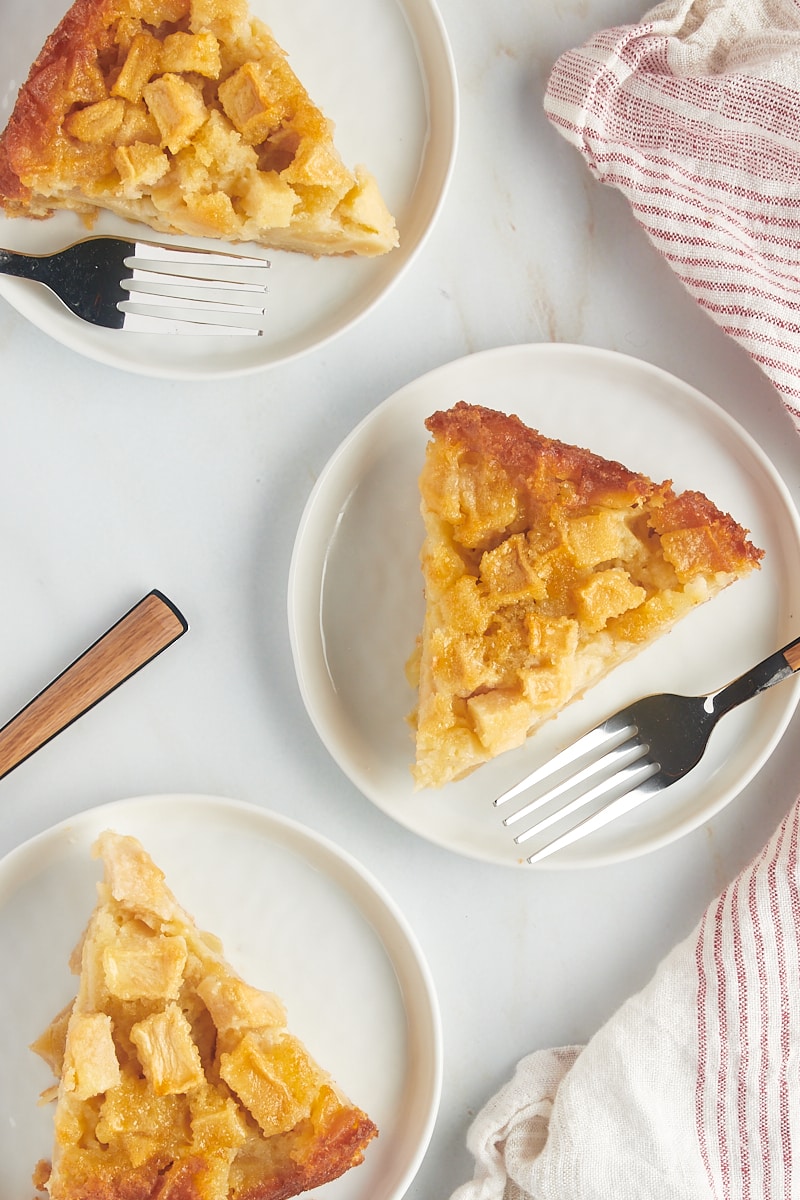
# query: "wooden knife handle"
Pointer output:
{"type": "Point", "coordinates": [150, 626]}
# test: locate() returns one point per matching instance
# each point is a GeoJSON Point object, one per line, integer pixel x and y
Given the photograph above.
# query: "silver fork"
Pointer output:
{"type": "Point", "coordinates": [144, 287]}
{"type": "Point", "coordinates": [632, 755]}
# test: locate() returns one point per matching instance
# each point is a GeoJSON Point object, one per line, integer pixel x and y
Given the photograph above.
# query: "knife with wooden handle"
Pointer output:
{"type": "Point", "coordinates": [135, 640]}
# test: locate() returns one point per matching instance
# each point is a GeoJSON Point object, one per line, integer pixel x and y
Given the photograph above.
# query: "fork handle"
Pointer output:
{"type": "Point", "coordinates": [150, 626]}
{"type": "Point", "coordinates": [25, 266]}
{"type": "Point", "coordinates": [772, 670]}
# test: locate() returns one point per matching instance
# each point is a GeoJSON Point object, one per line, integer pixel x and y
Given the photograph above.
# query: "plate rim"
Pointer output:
{"type": "Point", "coordinates": [440, 148]}
{"type": "Point", "coordinates": [297, 635]}
{"type": "Point", "coordinates": [351, 876]}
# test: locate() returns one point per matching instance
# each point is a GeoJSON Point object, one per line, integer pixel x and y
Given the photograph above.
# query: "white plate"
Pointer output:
{"type": "Point", "coordinates": [391, 92]}
{"type": "Point", "coordinates": [356, 605]}
{"type": "Point", "coordinates": [362, 1001]}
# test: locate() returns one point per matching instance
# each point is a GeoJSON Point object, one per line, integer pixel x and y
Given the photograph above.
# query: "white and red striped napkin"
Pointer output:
{"type": "Point", "coordinates": [694, 114]}
{"type": "Point", "coordinates": [691, 1091]}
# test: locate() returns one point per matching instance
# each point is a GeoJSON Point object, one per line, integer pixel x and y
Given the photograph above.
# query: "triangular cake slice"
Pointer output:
{"type": "Point", "coordinates": [545, 566]}
{"type": "Point", "coordinates": [185, 115]}
{"type": "Point", "coordinates": [177, 1078]}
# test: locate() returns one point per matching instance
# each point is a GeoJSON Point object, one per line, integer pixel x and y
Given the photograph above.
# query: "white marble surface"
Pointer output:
{"type": "Point", "coordinates": [112, 484]}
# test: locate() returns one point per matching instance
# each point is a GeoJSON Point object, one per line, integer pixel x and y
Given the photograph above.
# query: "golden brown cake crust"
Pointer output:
{"type": "Point", "coordinates": [60, 67]}
{"type": "Point", "coordinates": [177, 1079]}
{"type": "Point", "coordinates": [341, 1149]}
{"type": "Point", "coordinates": [184, 115]}
{"type": "Point", "coordinates": [538, 465]}
{"type": "Point", "coordinates": [534, 461]}
{"type": "Point", "coordinates": [545, 566]}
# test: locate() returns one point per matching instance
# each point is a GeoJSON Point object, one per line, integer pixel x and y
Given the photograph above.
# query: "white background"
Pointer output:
{"type": "Point", "coordinates": [111, 484]}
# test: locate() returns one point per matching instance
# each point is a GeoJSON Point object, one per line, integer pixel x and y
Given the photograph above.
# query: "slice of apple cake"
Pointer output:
{"type": "Point", "coordinates": [175, 1077]}
{"type": "Point", "coordinates": [544, 567]}
{"type": "Point", "coordinates": [185, 115]}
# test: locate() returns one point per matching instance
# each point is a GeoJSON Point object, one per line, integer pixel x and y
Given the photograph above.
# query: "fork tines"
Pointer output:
{"type": "Point", "coordinates": [607, 770]}
{"type": "Point", "coordinates": [172, 289]}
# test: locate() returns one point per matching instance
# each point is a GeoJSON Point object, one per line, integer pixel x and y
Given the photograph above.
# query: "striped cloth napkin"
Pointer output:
{"type": "Point", "coordinates": [694, 114]}
{"type": "Point", "coordinates": [691, 1091]}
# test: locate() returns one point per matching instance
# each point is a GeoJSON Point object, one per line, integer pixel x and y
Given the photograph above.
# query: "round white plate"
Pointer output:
{"type": "Point", "coordinates": [391, 92]}
{"type": "Point", "coordinates": [296, 916]}
{"type": "Point", "coordinates": [356, 602]}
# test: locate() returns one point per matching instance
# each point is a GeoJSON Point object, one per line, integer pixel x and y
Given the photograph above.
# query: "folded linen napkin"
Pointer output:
{"type": "Point", "coordinates": [694, 114]}
{"type": "Point", "coordinates": [691, 1091]}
